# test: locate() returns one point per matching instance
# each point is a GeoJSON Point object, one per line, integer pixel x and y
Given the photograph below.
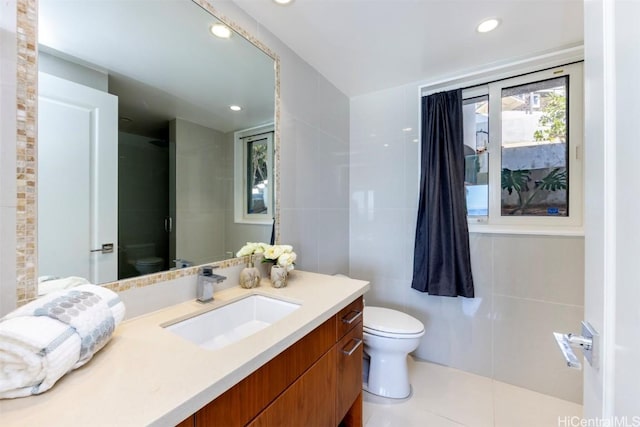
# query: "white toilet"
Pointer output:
{"type": "Point", "coordinates": [389, 337]}
{"type": "Point", "coordinates": [142, 257]}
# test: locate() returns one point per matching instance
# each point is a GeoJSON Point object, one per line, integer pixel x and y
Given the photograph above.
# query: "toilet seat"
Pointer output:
{"type": "Point", "coordinates": [389, 323]}
{"type": "Point", "coordinates": [149, 261]}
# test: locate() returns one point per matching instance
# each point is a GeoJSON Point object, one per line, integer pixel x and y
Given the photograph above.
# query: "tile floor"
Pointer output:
{"type": "Point", "coordinates": [446, 397]}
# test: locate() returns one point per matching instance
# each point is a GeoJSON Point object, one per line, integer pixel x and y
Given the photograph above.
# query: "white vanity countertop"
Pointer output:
{"type": "Point", "coordinates": [149, 376]}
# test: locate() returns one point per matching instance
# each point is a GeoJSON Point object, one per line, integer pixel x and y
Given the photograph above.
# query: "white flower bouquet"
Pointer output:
{"type": "Point", "coordinates": [251, 248]}
{"type": "Point", "coordinates": [282, 255]}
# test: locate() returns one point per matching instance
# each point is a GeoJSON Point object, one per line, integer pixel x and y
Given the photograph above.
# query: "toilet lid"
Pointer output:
{"type": "Point", "coordinates": [149, 261]}
{"type": "Point", "coordinates": [388, 321]}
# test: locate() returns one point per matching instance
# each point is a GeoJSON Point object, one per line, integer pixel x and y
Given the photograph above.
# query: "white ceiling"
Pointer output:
{"type": "Point", "coordinates": [367, 45]}
{"type": "Point", "coordinates": [162, 62]}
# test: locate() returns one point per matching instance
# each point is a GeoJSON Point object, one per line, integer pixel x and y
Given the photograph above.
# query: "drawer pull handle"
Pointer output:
{"type": "Point", "coordinates": [354, 315]}
{"type": "Point", "coordinates": [357, 344]}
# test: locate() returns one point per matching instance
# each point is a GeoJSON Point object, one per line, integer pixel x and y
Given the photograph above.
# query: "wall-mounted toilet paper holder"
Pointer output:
{"type": "Point", "coordinates": [587, 342]}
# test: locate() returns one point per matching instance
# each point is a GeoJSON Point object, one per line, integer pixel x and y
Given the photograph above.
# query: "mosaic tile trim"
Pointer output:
{"type": "Point", "coordinates": [26, 221]}
{"type": "Point", "coordinates": [151, 279]}
{"type": "Point", "coordinates": [276, 154]}
{"type": "Point", "coordinates": [26, 106]}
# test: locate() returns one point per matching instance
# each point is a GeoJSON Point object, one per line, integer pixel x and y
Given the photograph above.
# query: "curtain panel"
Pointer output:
{"type": "Point", "coordinates": [442, 260]}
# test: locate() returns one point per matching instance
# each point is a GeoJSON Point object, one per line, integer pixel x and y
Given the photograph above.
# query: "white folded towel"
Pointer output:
{"type": "Point", "coordinates": [47, 284]}
{"type": "Point", "coordinates": [45, 339]}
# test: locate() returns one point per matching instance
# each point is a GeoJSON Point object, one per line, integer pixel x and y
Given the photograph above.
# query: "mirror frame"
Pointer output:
{"type": "Point", "coordinates": [27, 148]}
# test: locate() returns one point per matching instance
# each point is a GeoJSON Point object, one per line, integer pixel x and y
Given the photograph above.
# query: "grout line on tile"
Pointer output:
{"type": "Point", "coordinates": [538, 300]}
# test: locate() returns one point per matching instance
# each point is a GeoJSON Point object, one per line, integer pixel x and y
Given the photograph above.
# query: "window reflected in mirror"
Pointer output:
{"type": "Point", "coordinates": [254, 175]}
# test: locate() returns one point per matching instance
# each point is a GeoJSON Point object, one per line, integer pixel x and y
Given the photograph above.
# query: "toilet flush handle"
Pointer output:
{"type": "Point", "coordinates": [351, 317]}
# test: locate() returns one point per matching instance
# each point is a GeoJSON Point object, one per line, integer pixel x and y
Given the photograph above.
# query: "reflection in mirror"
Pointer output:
{"type": "Point", "coordinates": [253, 192]}
{"type": "Point", "coordinates": [137, 140]}
{"type": "Point", "coordinates": [257, 177]}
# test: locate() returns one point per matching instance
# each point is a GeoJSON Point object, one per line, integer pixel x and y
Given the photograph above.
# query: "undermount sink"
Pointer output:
{"type": "Point", "coordinates": [232, 322]}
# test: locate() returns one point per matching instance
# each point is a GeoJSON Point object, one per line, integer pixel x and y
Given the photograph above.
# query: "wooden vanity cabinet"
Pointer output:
{"type": "Point", "coordinates": [315, 382]}
{"type": "Point", "coordinates": [349, 350]}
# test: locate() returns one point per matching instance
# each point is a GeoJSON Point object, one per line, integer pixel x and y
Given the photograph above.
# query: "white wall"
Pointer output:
{"type": "Point", "coordinates": [526, 286]}
{"type": "Point", "coordinates": [71, 71]}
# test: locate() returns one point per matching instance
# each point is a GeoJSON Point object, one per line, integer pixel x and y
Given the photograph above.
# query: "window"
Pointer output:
{"type": "Point", "coordinates": [253, 177]}
{"type": "Point", "coordinates": [476, 158]}
{"type": "Point", "coordinates": [522, 140]}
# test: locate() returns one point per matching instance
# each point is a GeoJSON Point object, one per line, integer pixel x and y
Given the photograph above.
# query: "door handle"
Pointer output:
{"type": "Point", "coordinates": [106, 248]}
{"type": "Point", "coordinates": [168, 224]}
{"type": "Point", "coordinates": [587, 342]}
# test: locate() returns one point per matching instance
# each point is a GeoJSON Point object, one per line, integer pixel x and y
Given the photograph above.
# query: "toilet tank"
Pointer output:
{"type": "Point", "coordinates": [140, 250]}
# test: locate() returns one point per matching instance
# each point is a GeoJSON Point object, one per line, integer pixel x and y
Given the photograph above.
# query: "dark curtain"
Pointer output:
{"type": "Point", "coordinates": [442, 262]}
{"type": "Point", "coordinates": [272, 241]}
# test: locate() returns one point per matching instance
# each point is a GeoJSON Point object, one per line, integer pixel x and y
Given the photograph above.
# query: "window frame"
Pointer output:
{"type": "Point", "coordinates": [495, 222]}
{"type": "Point", "coordinates": [240, 194]}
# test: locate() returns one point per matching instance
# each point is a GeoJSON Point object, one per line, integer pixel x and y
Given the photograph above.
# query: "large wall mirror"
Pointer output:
{"type": "Point", "coordinates": [146, 121]}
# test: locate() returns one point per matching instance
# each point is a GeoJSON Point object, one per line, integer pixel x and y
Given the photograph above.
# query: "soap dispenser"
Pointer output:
{"type": "Point", "coordinates": [249, 276]}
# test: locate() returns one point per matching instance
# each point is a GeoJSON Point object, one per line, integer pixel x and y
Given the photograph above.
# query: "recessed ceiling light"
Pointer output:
{"type": "Point", "coordinates": [283, 2]}
{"type": "Point", "coordinates": [220, 30]}
{"type": "Point", "coordinates": [488, 25]}
{"type": "Point", "coordinates": [235, 107]}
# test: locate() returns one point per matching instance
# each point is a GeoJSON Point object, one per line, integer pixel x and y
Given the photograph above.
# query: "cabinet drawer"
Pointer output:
{"type": "Point", "coordinates": [349, 368]}
{"type": "Point", "coordinates": [349, 317]}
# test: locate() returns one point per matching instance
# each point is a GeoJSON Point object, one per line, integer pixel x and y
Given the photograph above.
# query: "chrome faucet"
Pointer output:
{"type": "Point", "coordinates": [206, 279]}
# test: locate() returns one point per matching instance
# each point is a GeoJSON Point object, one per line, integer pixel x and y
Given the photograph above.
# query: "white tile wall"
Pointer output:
{"type": "Point", "coordinates": [526, 286]}
{"type": "Point", "coordinates": [525, 352]}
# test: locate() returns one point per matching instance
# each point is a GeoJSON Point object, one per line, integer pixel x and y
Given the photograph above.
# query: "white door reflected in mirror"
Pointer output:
{"type": "Point", "coordinates": [78, 182]}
